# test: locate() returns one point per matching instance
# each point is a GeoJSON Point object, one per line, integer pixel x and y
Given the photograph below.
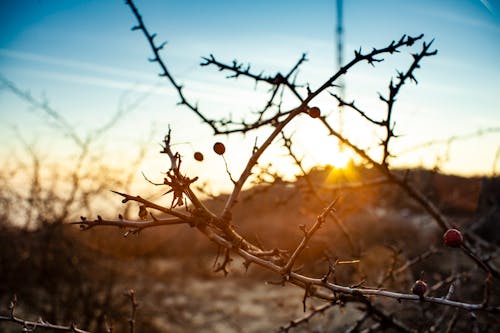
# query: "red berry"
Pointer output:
{"type": "Point", "coordinates": [419, 288]}
{"type": "Point", "coordinates": [219, 148]}
{"type": "Point", "coordinates": [198, 156]}
{"type": "Point", "coordinates": [453, 238]}
{"type": "Point", "coordinates": [314, 112]}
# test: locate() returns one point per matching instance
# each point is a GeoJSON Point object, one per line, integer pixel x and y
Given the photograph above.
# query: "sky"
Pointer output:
{"type": "Point", "coordinates": [83, 59]}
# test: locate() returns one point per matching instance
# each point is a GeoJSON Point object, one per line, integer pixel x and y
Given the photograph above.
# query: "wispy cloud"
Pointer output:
{"type": "Point", "coordinates": [73, 64]}
{"type": "Point", "coordinates": [97, 75]}
{"type": "Point", "coordinates": [96, 81]}
{"type": "Point", "coordinates": [464, 20]}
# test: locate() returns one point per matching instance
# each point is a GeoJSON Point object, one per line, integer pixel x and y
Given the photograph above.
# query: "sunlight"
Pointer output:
{"type": "Point", "coordinates": [340, 159]}
{"type": "Point", "coordinates": [343, 167]}
{"type": "Point", "coordinates": [331, 153]}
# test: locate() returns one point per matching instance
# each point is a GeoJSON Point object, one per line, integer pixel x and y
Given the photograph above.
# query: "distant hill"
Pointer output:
{"type": "Point", "coordinates": [270, 214]}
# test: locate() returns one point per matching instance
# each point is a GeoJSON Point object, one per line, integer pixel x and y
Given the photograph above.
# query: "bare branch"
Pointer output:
{"type": "Point", "coordinates": [307, 236]}
{"type": "Point", "coordinates": [164, 71]}
{"type": "Point", "coordinates": [29, 326]}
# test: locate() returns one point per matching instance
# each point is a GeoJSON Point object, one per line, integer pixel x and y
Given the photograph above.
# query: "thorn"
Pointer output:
{"type": "Point", "coordinates": [119, 193]}
{"type": "Point", "coordinates": [161, 46]}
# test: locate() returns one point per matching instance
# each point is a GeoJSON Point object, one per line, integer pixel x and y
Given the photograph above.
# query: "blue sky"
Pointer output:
{"type": "Point", "coordinates": [82, 56]}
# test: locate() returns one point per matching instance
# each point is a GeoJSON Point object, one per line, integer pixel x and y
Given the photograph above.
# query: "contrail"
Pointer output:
{"type": "Point", "coordinates": [486, 4]}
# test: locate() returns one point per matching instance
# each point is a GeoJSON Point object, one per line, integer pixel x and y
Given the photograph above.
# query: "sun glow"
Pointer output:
{"type": "Point", "coordinates": [333, 154]}
{"type": "Point", "coordinates": [340, 159]}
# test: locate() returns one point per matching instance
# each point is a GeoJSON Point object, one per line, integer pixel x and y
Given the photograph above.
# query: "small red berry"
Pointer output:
{"type": "Point", "coordinates": [419, 288]}
{"type": "Point", "coordinates": [198, 156]}
{"type": "Point", "coordinates": [314, 112]}
{"type": "Point", "coordinates": [453, 238]}
{"type": "Point", "coordinates": [219, 148]}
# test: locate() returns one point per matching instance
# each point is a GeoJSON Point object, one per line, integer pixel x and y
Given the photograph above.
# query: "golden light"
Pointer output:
{"type": "Point", "coordinates": [343, 167]}
{"type": "Point", "coordinates": [340, 159]}
{"type": "Point", "coordinates": [330, 153]}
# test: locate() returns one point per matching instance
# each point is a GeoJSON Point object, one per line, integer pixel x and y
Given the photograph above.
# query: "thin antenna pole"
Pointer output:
{"type": "Point", "coordinates": [339, 33]}
{"type": "Point", "coordinates": [340, 59]}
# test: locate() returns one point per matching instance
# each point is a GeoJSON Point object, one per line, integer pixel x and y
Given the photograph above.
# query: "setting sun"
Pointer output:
{"type": "Point", "coordinates": [340, 159]}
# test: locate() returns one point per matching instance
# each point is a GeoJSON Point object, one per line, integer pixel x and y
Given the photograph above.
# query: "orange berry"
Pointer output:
{"type": "Point", "coordinates": [219, 148]}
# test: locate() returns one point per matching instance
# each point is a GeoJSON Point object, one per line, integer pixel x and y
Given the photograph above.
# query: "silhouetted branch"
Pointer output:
{"type": "Point", "coordinates": [414, 193]}
{"type": "Point", "coordinates": [287, 141]}
{"type": "Point", "coordinates": [31, 326]}
{"type": "Point", "coordinates": [304, 319]}
{"type": "Point", "coordinates": [358, 110]}
{"type": "Point", "coordinates": [394, 90]}
{"type": "Point", "coordinates": [164, 71]}
{"type": "Point", "coordinates": [307, 236]}
{"type": "Point", "coordinates": [133, 226]}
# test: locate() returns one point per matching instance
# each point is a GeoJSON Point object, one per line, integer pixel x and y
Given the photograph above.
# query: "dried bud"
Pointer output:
{"type": "Point", "coordinates": [143, 212]}
{"type": "Point", "coordinates": [198, 156]}
{"type": "Point", "coordinates": [219, 148]}
{"type": "Point", "coordinates": [419, 288]}
{"type": "Point", "coordinates": [453, 238]}
{"type": "Point", "coordinates": [314, 112]}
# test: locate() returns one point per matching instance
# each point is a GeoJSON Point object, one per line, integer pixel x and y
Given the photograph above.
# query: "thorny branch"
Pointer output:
{"type": "Point", "coordinates": [307, 236]}
{"type": "Point", "coordinates": [414, 193]}
{"type": "Point", "coordinates": [134, 305]}
{"type": "Point", "coordinates": [394, 90]}
{"type": "Point", "coordinates": [165, 72]}
{"type": "Point", "coordinates": [287, 142]}
{"type": "Point", "coordinates": [294, 323]}
{"type": "Point", "coordinates": [358, 110]}
{"type": "Point", "coordinates": [275, 81]}
{"type": "Point", "coordinates": [31, 326]}
{"type": "Point", "coordinates": [131, 225]}
{"type": "Point", "coordinates": [373, 310]}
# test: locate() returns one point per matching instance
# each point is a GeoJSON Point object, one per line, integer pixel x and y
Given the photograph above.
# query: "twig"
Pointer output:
{"type": "Point", "coordinates": [165, 73]}
{"type": "Point", "coordinates": [86, 224]}
{"type": "Point", "coordinates": [394, 90]}
{"type": "Point", "coordinates": [304, 319]}
{"type": "Point", "coordinates": [134, 305]}
{"type": "Point", "coordinates": [307, 236]}
{"type": "Point", "coordinates": [30, 326]}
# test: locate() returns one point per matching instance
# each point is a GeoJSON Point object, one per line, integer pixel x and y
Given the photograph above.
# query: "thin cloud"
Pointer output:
{"type": "Point", "coordinates": [74, 64]}
{"type": "Point", "coordinates": [70, 71]}
{"type": "Point", "coordinates": [465, 20]}
{"type": "Point", "coordinates": [99, 81]}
